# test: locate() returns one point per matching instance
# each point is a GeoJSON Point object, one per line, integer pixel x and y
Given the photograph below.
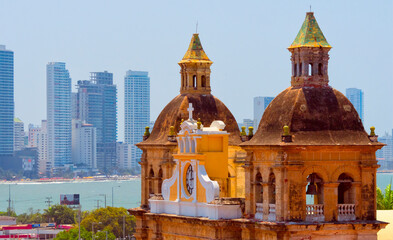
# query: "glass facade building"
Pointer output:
{"type": "Point", "coordinates": [58, 114]}
{"type": "Point", "coordinates": [356, 97]}
{"type": "Point", "coordinates": [6, 101]}
{"type": "Point", "coordinates": [260, 104]}
{"type": "Point", "coordinates": [137, 109]}
{"type": "Point", "coordinates": [96, 104]}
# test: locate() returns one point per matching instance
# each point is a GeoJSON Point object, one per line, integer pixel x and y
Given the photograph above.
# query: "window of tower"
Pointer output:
{"type": "Point", "coordinates": [151, 177]}
{"type": "Point", "coordinates": [203, 81]}
{"type": "Point", "coordinates": [309, 70]}
{"type": "Point", "coordinates": [159, 180]}
{"type": "Point", "coordinates": [301, 69]}
{"type": "Point", "coordinates": [258, 188]}
{"type": "Point", "coordinates": [346, 191]}
{"type": "Point", "coordinates": [320, 69]}
{"type": "Point", "coordinates": [272, 189]}
{"type": "Point", "coordinates": [295, 70]}
{"type": "Point", "coordinates": [194, 81]}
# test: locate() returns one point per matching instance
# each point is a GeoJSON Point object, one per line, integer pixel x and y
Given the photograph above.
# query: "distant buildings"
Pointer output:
{"type": "Point", "coordinates": [356, 96]}
{"type": "Point", "coordinates": [6, 101]}
{"type": "Point", "coordinates": [19, 135]}
{"type": "Point", "coordinates": [246, 123]}
{"type": "Point", "coordinates": [137, 109]}
{"type": "Point", "coordinates": [124, 156]}
{"type": "Point", "coordinates": [58, 114]}
{"type": "Point", "coordinates": [96, 103]}
{"type": "Point", "coordinates": [385, 155]}
{"type": "Point", "coordinates": [260, 104]}
{"type": "Point", "coordinates": [84, 144]}
{"type": "Point", "coordinates": [44, 165]}
{"type": "Point", "coordinates": [32, 134]}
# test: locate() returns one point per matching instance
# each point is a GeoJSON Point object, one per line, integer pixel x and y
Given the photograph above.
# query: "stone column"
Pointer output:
{"type": "Point", "coordinates": [145, 184]}
{"type": "Point", "coordinates": [249, 196]}
{"type": "Point", "coordinates": [330, 201]}
{"type": "Point", "coordinates": [358, 197]}
{"type": "Point", "coordinates": [279, 194]}
{"type": "Point", "coordinates": [266, 199]}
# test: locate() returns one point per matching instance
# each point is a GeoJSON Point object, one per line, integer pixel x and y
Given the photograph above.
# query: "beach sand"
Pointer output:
{"type": "Point", "coordinates": [386, 216]}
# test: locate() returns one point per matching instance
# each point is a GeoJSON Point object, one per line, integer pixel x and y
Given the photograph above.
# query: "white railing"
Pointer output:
{"type": "Point", "coordinates": [315, 213]}
{"type": "Point", "coordinates": [346, 212]}
{"type": "Point", "coordinates": [259, 211]}
{"type": "Point", "coordinates": [272, 212]}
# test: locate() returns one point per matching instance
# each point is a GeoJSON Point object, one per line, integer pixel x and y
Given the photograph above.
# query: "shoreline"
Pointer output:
{"type": "Point", "coordinates": [72, 180]}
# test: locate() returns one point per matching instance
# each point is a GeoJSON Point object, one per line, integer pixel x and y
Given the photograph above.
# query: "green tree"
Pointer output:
{"type": "Point", "coordinates": [110, 219]}
{"type": "Point", "coordinates": [60, 214]}
{"type": "Point", "coordinates": [73, 234]}
{"type": "Point", "coordinates": [385, 201]}
{"type": "Point", "coordinates": [32, 216]}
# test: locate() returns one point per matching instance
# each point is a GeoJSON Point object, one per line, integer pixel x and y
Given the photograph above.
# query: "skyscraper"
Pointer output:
{"type": "Point", "coordinates": [356, 96]}
{"type": "Point", "coordinates": [44, 166]}
{"type": "Point", "coordinates": [260, 104]}
{"type": "Point", "coordinates": [58, 114]}
{"type": "Point", "coordinates": [6, 101]}
{"type": "Point", "coordinates": [84, 145]}
{"type": "Point", "coordinates": [19, 135]}
{"type": "Point", "coordinates": [137, 109]}
{"type": "Point", "coordinates": [96, 102]}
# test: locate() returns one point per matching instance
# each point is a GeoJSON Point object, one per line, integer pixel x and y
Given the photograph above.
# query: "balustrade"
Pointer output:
{"type": "Point", "coordinates": [272, 212]}
{"type": "Point", "coordinates": [315, 213]}
{"type": "Point", "coordinates": [346, 212]}
{"type": "Point", "coordinates": [259, 211]}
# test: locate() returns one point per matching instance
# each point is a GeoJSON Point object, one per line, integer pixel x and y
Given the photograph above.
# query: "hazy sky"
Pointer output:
{"type": "Point", "coordinates": [246, 40]}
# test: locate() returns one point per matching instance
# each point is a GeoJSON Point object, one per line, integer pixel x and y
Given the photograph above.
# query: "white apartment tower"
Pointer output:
{"type": "Point", "coordinates": [19, 135]}
{"type": "Point", "coordinates": [40, 137]}
{"type": "Point", "coordinates": [124, 156]}
{"type": "Point", "coordinates": [84, 144]}
{"type": "Point", "coordinates": [137, 109]}
{"type": "Point", "coordinates": [58, 114]}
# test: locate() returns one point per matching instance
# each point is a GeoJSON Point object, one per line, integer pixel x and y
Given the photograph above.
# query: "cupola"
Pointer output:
{"type": "Point", "coordinates": [310, 55]}
{"type": "Point", "coordinates": [195, 69]}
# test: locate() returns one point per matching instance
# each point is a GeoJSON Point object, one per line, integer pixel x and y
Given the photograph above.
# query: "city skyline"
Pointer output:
{"type": "Point", "coordinates": [139, 49]}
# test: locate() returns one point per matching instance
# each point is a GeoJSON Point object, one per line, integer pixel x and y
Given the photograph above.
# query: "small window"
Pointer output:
{"type": "Point", "coordinates": [309, 70]}
{"type": "Point", "coordinates": [320, 69]}
{"type": "Point", "coordinates": [295, 70]}
{"type": "Point", "coordinates": [300, 69]}
{"type": "Point", "coordinates": [194, 81]}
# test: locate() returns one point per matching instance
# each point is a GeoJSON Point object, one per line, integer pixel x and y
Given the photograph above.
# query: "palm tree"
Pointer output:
{"type": "Point", "coordinates": [385, 201]}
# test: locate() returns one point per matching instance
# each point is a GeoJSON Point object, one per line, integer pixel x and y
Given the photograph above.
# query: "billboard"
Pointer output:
{"type": "Point", "coordinates": [69, 199]}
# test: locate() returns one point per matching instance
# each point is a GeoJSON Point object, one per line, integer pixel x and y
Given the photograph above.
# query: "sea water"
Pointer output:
{"type": "Point", "coordinates": [25, 195]}
{"type": "Point", "coordinates": [126, 193]}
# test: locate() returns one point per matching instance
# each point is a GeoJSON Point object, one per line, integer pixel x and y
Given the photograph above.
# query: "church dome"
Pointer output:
{"type": "Point", "coordinates": [195, 89]}
{"type": "Point", "coordinates": [206, 107]}
{"type": "Point", "coordinates": [315, 113]}
{"type": "Point", "coordinates": [315, 116]}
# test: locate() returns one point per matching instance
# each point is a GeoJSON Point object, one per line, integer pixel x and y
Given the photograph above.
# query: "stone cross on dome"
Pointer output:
{"type": "Point", "coordinates": [190, 109]}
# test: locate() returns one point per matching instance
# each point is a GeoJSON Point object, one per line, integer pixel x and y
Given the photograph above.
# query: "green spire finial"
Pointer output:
{"type": "Point", "coordinates": [172, 131]}
{"type": "Point", "coordinates": [372, 131]}
{"type": "Point", "coordinates": [250, 131]}
{"type": "Point", "coordinates": [199, 123]}
{"type": "Point", "coordinates": [147, 133]}
{"type": "Point", "coordinates": [243, 132]}
{"type": "Point", "coordinates": [286, 130]}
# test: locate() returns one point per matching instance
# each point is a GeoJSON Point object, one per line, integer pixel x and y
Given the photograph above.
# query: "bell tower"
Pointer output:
{"type": "Point", "coordinates": [195, 69]}
{"type": "Point", "coordinates": [310, 55]}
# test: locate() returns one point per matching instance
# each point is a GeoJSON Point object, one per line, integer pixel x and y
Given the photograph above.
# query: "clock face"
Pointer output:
{"type": "Point", "coordinates": [189, 179]}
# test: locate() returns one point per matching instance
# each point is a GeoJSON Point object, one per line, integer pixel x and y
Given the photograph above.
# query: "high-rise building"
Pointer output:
{"type": "Point", "coordinates": [137, 109]}
{"type": "Point", "coordinates": [33, 135]}
{"type": "Point", "coordinates": [260, 104]}
{"type": "Point", "coordinates": [74, 105]}
{"type": "Point", "coordinates": [58, 114]}
{"type": "Point", "coordinates": [84, 145]}
{"type": "Point", "coordinates": [124, 156]}
{"type": "Point", "coordinates": [44, 166]}
{"type": "Point", "coordinates": [385, 155]}
{"type": "Point", "coordinates": [246, 123]}
{"type": "Point", "coordinates": [356, 96]}
{"type": "Point", "coordinates": [6, 101]}
{"type": "Point", "coordinates": [96, 102]}
{"type": "Point", "coordinates": [19, 135]}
